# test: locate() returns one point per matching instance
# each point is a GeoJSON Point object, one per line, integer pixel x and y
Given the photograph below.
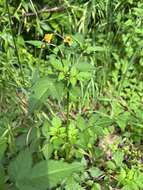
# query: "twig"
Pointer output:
{"type": "Point", "coordinates": [46, 10]}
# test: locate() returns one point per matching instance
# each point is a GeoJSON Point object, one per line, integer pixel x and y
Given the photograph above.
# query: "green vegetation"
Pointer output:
{"type": "Point", "coordinates": [71, 95]}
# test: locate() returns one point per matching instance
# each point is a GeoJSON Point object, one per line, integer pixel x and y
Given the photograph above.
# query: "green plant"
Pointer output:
{"type": "Point", "coordinates": [71, 95]}
{"type": "Point", "coordinates": [130, 179]}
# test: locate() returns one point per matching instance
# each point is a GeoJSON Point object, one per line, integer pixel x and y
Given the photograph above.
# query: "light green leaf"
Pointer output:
{"type": "Point", "coordinates": [71, 184]}
{"type": "Point", "coordinates": [111, 165]}
{"type": "Point", "coordinates": [118, 157]}
{"type": "Point", "coordinates": [84, 76]}
{"type": "Point", "coordinates": [96, 186]}
{"type": "Point", "coordinates": [47, 150]}
{"type": "Point", "coordinates": [35, 43]}
{"type": "Point", "coordinates": [45, 129]}
{"type": "Point", "coordinates": [95, 172]}
{"type": "Point", "coordinates": [79, 39]}
{"type": "Point", "coordinates": [75, 93]}
{"type": "Point", "coordinates": [122, 175]}
{"type": "Point", "coordinates": [92, 49]}
{"type": "Point", "coordinates": [56, 122]}
{"type": "Point", "coordinates": [126, 187]}
{"type": "Point", "coordinates": [84, 66]}
{"type": "Point", "coordinates": [56, 63]}
{"type": "Point", "coordinates": [122, 120]}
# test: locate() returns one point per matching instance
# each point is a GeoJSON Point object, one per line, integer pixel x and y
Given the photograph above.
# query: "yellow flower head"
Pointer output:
{"type": "Point", "coordinates": [68, 40]}
{"type": "Point", "coordinates": [48, 38]}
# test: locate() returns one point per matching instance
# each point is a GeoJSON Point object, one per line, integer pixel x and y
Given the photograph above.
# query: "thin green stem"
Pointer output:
{"type": "Point", "coordinates": [67, 108]}
{"type": "Point", "coordinates": [14, 41]}
{"type": "Point", "coordinates": [67, 119]}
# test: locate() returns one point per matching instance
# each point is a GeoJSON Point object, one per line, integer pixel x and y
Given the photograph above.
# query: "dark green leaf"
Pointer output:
{"type": "Point", "coordinates": [3, 146]}
{"type": "Point", "coordinates": [20, 166]}
{"type": "Point", "coordinates": [48, 174]}
{"type": "Point", "coordinates": [41, 90]}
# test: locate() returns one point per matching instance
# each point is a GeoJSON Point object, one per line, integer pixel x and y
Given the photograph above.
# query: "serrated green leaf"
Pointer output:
{"type": "Point", "coordinates": [118, 157]}
{"type": "Point", "coordinates": [56, 63]}
{"type": "Point", "coordinates": [122, 120]}
{"type": "Point", "coordinates": [45, 129]}
{"type": "Point", "coordinates": [122, 175]}
{"type": "Point", "coordinates": [56, 90]}
{"type": "Point", "coordinates": [71, 184]}
{"type": "Point", "coordinates": [56, 122]}
{"type": "Point", "coordinates": [39, 93]}
{"type": "Point", "coordinates": [41, 90]}
{"type": "Point", "coordinates": [47, 150]}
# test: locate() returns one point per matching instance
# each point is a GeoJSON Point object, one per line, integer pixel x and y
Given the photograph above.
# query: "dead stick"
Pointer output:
{"type": "Point", "coordinates": [45, 10]}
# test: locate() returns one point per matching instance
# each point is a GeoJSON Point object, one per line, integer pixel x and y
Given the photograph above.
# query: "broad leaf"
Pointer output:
{"type": "Point", "coordinates": [48, 174]}
{"type": "Point", "coordinates": [96, 186]}
{"type": "Point", "coordinates": [84, 66]}
{"type": "Point", "coordinates": [53, 172]}
{"type": "Point", "coordinates": [41, 90]}
{"type": "Point", "coordinates": [118, 157]}
{"type": "Point", "coordinates": [95, 172]}
{"type": "Point", "coordinates": [122, 120]}
{"type": "Point", "coordinates": [35, 43]}
{"type": "Point", "coordinates": [71, 184]}
{"type": "Point", "coordinates": [56, 63]}
{"type": "Point", "coordinates": [20, 166]}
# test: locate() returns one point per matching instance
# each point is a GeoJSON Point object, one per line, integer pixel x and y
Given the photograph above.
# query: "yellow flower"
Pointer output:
{"type": "Point", "coordinates": [48, 38]}
{"type": "Point", "coordinates": [68, 40]}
